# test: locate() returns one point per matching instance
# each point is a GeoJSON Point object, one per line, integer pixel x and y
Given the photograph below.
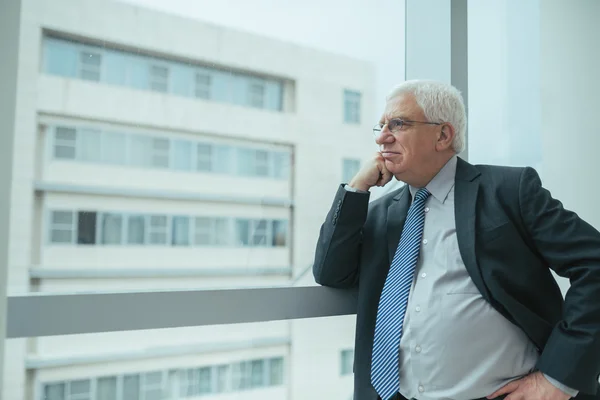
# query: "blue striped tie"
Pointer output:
{"type": "Point", "coordinates": [394, 298]}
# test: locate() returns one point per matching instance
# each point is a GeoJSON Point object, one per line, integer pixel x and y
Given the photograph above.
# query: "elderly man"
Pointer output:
{"type": "Point", "coordinates": [456, 299]}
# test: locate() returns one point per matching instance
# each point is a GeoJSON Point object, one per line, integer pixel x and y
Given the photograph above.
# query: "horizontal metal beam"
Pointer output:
{"type": "Point", "coordinates": [142, 272]}
{"type": "Point", "coordinates": [160, 194]}
{"type": "Point", "coordinates": [47, 315]}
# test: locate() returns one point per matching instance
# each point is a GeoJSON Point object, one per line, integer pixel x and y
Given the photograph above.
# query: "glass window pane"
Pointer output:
{"type": "Point", "coordinates": [86, 227]}
{"type": "Point", "coordinates": [136, 229]}
{"type": "Point", "coordinates": [140, 150]}
{"type": "Point", "coordinates": [89, 65]}
{"type": "Point", "coordinates": [256, 94]}
{"type": "Point", "coordinates": [259, 235]}
{"type": "Point", "coordinates": [223, 378]}
{"type": "Point", "coordinates": [181, 231]}
{"type": "Point", "coordinates": [65, 142]}
{"type": "Point", "coordinates": [279, 233]}
{"type": "Point", "coordinates": [204, 157]}
{"type": "Point", "coordinates": [89, 145]}
{"type": "Point", "coordinates": [139, 73]}
{"type": "Point", "coordinates": [131, 387]}
{"type": "Point", "coordinates": [106, 388]}
{"type": "Point", "coordinates": [205, 380]}
{"type": "Point", "coordinates": [158, 229]}
{"type": "Point", "coordinates": [276, 371]}
{"type": "Point", "coordinates": [62, 217]}
{"type": "Point", "coordinates": [159, 78]}
{"type": "Point", "coordinates": [60, 58]}
{"type": "Point", "coordinates": [112, 228]}
{"type": "Point", "coordinates": [114, 148]}
{"type": "Point", "coordinates": [115, 67]}
{"type": "Point", "coordinates": [223, 160]}
{"type": "Point", "coordinates": [203, 83]}
{"type": "Point", "coordinates": [222, 236]}
{"type": "Point", "coordinates": [182, 155]}
{"type": "Point", "coordinates": [160, 152]}
{"type": "Point", "coordinates": [242, 231]}
{"type": "Point", "coordinates": [245, 162]}
{"type": "Point", "coordinates": [54, 391]}
{"type": "Point", "coordinates": [80, 387]}
{"type": "Point", "coordinates": [281, 165]}
{"type": "Point", "coordinates": [257, 377]}
{"type": "Point", "coordinates": [351, 106]}
{"type": "Point", "coordinates": [182, 78]}
{"type": "Point", "coordinates": [203, 231]}
{"type": "Point", "coordinates": [349, 168]}
{"type": "Point", "coordinates": [261, 164]}
{"type": "Point", "coordinates": [221, 86]}
{"type": "Point", "coordinates": [274, 95]}
{"type": "Point", "coordinates": [347, 361]}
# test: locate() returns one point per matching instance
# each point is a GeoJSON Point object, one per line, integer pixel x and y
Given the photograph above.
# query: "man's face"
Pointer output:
{"type": "Point", "coordinates": [409, 149]}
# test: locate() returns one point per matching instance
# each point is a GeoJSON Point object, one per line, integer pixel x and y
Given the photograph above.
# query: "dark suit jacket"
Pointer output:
{"type": "Point", "coordinates": [510, 232]}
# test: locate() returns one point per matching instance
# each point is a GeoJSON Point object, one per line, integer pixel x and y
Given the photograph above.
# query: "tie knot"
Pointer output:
{"type": "Point", "coordinates": [422, 194]}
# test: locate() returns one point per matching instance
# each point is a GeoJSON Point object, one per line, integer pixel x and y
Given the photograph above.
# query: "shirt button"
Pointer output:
{"type": "Point", "coordinates": [418, 349]}
{"type": "Point", "coordinates": [417, 309]}
{"type": "Point", "coordinates": [426, 209]}
{"type": "Point", "coordinates": [424, 241]}
{"type": "Point", "coordinates": [421, 389]}
{"type": "Point", "coordinates": [423, 275]}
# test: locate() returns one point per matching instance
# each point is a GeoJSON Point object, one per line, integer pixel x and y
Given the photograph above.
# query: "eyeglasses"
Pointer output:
{"type": "Point", "coordinates": [394, 125]}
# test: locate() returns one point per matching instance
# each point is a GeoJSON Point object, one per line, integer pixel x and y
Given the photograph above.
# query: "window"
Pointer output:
{"type": "Point", "coordinates": [160, 153]}
{"type": "Point", "coordinates": [281, 165]}
{"type": "Point", "coordinates": [114, 148]}
{"type": "Point", "coordinates": [203, 84]}
{"type": "Point", "coordinates": [346, 362]}
{"type": "Point", "coordinates": [221, 232]}
{"type": "Point", "coordinates": [256, 94]}
{"type": "Point", "coordinates": [140, 148]}
{"type": "Point", "coordinates": [242, 231]}
{"type": "Point", "coordinates": [181, 231]}
{"type": "Point", "coordinates": [80, 390]}
{"type": "Point", "coordinates": [159, 78]}
{"type": "Point", "coordinates": [89, 145]}
{"type": "Point", "coordinates": [65, 140]}
{"type": "Point", "coordinates": [158, 229]}
{"type": "Point", "coordinates": [89, 67]}
{"type": "Point", "coordinates": [182, 155]}
{"type": "Point", "coordinates": [136, 229]}
{"type": "Point", "coordinates": [62, 229]}
{"type": "Point", "coordinates": [351, 107]}
{"type": "Point", "coordinates": [152, 386]}
{"type": "Point", "coordinates": [204, 380]}
{"type": "Point", "coordinates": [204, 157]}
{"type": "Point", "coordinates": [276, 371]}
{"type": "Point", "coordinates": [131, 387]}
{"type": "Point", "coordinates": [349, 168]}
{"type": "Point", "coordinates": [112, 228]}
{"type": "Point", "coordinates": [223, 378]}
{"type": "Point", "coordinates": [257, 373]}
{"type": "Point", "coordinates": [99, 64]}
{"type": "Point", "coordinates": [259, 234]}
{"type": "Point", "coordinates": [55, 391]}
{"type": "Point", "coordinates": [203, 231]}
{"type": "Point", "coordinates": [86, 227]}
{"type": "Point", "coordinates": [106, 388]}
{"type": "Point", "coordinates": [279, 233]}
{"type": "Point", "coordinates": [261, 163]}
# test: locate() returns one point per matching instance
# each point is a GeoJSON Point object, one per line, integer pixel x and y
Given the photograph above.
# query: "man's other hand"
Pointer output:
{"type": "Point", "coordinates": [531, 387]}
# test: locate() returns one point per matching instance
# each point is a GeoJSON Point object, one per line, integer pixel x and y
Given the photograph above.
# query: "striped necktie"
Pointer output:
{"type": "Point", "coordinates": [393, 301]}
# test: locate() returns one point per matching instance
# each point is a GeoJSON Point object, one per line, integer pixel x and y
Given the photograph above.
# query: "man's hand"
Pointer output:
{"type": "Point", "coordinates": [532, 387]}
{"type": "Point", "coordinates": [373, 173]}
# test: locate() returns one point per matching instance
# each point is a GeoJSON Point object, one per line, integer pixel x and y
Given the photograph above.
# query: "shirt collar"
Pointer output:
{"type": "Point", "coordinates": [442, 183]}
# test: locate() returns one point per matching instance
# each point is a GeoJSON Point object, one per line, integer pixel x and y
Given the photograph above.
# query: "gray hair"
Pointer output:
{"type": "Point", "coordinates": [440, 102]}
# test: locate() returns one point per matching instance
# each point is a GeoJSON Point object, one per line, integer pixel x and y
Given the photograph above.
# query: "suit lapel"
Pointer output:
{"type": "Point", "coordinates": [396, 215]}
{"type": "Point", "coordinates": [466, 191]}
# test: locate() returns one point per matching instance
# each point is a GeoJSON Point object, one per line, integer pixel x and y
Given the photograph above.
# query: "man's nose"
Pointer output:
{"type": "Point", "coordinates": [384, 137]}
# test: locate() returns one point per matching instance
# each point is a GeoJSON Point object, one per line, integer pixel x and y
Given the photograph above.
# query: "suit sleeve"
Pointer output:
{"type": "Point", "coordinates": [338, 248]}
{"type": "Point", "coordinates": [571, 247]}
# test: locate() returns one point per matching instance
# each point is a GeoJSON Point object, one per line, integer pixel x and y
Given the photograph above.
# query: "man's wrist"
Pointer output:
{"type": "Point", "coordinates": [359, 186]}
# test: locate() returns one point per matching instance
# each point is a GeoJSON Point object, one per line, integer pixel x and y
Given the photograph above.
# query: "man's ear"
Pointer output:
{"type": "Point", "coordinates": [445, 137]}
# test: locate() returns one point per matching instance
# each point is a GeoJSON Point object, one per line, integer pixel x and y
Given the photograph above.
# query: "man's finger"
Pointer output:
{"type": "Point", "coordinates": [508, 388]}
